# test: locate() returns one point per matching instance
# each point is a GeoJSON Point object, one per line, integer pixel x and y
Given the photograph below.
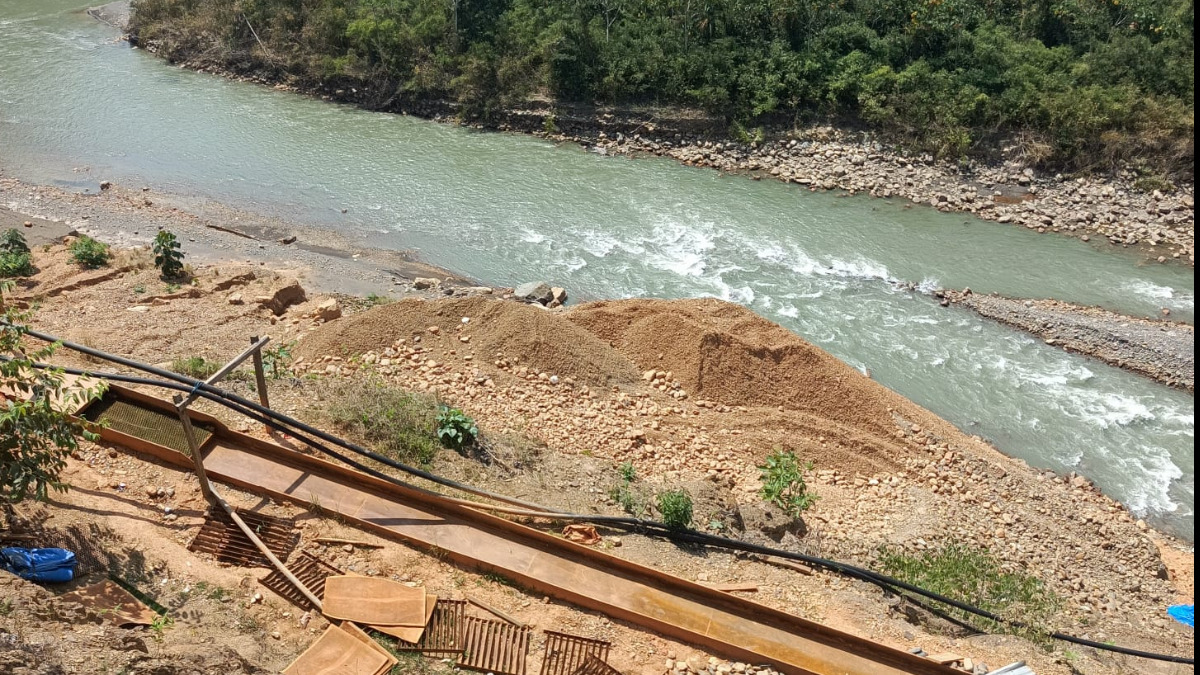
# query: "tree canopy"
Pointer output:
{"type": "Point", "coordinates": [1080, 82]}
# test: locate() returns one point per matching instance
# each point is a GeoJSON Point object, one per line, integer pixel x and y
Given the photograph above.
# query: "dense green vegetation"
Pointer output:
{"type": "Point", "coordinates": [1082, 83]}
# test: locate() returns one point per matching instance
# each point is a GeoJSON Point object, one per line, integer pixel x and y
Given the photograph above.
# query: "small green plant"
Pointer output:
{"type": "Point", "coordinates": [277, 360]}
{"type": "Point", "coordinates": [89, 253]}
{"type": "Point", "coordinates": [15, 258]}
{"type": "Point", "coordinates": [196, 367]}
{"type": "Point", "coordinates": [139, 289]}
{"type": "Point", "coordinates": [16, 265]}
{"type": "Point", "coordinates": [12, 241]}
{"type": "Point", "coordinates": [675, 506]}
{"type": "Point", "coordinates": [159, 625]}
{"type": "Point", "coordinates": [375, 299]}
{"type": "Point", "coordinates": [975, 576]}
{"type": "Point", "coordinates": [550, 124]}
{"type": "Point", "coordinates": [6, 607]}
{"type": "Point", "coordinates": [628, 473]}
{"type": "Point", "coordinates": [625, 494]}
{"type": "Point", "coordinates": [783, 482]}
{"type": "Point", "coordinates": [168, 258]}
{"type": "Point", "coordinates": [455, 429]}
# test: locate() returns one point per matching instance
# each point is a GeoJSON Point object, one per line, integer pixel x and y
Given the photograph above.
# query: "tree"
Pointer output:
{"type": "Point", "coordinates": [167, 256]}
{"type": "Point", "coordinates": [36, 432]}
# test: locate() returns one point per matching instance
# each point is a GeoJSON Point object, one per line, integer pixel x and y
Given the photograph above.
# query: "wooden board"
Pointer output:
{"type": "Point", "coordinates": [408, 633]}
{"type": "Point", "coordinates": [113, 602]}
{"type": "Point", "coordinates": [337, 652]}
{"type": "Point", "coordinates": [374, 602]}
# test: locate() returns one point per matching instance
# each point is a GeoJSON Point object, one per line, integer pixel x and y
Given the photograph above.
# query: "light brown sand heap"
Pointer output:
{"type": "Point", "coordinates": [541, 340]}
{"type": "Point", "coordinates": [724, 352]}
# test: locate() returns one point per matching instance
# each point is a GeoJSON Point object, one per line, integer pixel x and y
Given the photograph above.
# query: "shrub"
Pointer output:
{"type": "Point", "coordinates": [89, 253]}
{"type": "Point", "coordinates": [395, 422]}
{"type": "Point", "coordinates": [15, 258]}
{"type": "Point", "coordinates": [36, 435]}
{"type": "Point", "coordinates": [783, 482]}
{"type": "Point", "coordinates": [167, 256]}
{"type": "Point", "coordinates": [675, 506]}
{"type": "Point", "coordinates": [16, 265]}
{"type": "Point", "coordinates": [455, 429]}
{"type": "Point", "coordinates": [976, 577]}
{"type": "Point", "coordinates": [13, 242]}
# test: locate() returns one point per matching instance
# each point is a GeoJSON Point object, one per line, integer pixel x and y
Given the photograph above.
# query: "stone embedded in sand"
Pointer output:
{"type": "Point", "coordinates": [534, 291]}
{"type": "Point", "coordinates": [282, 298]}
{"type": "Point", "coordinates": [425, 283]}
{"type": "Point", "coordinates": [328, 310]}
{"type": "Point", "coordinates": [236, 299]}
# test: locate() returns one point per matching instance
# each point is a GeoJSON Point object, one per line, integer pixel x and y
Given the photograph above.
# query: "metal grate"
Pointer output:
{"type": "Point", "coordinates": [566, 653]}
{"type": "Point", "coordinates": [592, 665]}
{"type": "Point", "coordinates": [494, 646]}
{"type": "Point", "coordinates": [310, 570]}
{"type": "Point", "coordinates": [222, 539]}
{"type": "Point", "coordinates": [444, 634]}
{"type": "Point", "coordinates": [149, 424]}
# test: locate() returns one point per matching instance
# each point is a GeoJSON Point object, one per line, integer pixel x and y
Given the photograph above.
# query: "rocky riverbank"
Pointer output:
{"type": "Point", "coordinates": [1119, 207]}
{"type": "Point", "coordinates": [1163, 350]}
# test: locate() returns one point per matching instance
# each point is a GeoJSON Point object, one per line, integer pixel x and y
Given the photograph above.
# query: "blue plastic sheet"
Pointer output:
{"type": "Point", "coordinates": [53, 565]}
{"type": "Point", "coordinates": [1184, 614]}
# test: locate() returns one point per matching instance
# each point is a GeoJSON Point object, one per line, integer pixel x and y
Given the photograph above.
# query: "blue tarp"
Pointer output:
{"type": "Point", "coordinates": [1184, 614]}
{"type": "Point", "coordinates": [55, 565]}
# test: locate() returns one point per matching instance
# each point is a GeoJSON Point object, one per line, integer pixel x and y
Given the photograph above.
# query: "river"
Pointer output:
{"type": "Point", "coordinates": [507, 208]}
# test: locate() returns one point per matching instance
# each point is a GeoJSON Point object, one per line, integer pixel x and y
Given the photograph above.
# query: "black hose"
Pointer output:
{"type": "Point", "coordinates": [289, 425]}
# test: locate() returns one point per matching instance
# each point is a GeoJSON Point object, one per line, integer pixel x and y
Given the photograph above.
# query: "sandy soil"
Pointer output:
{"type": "Point", "coordinates": [570, 394]}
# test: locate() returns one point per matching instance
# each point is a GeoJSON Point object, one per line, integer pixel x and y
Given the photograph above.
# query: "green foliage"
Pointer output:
{"type": "Point", "coordinates": [675, 507]}
{"type": "Point", "coordinates": [36, 433]}
{"type": "Point", "coordinates": [168, 258]}
{"type": "Point", "coordinates": [976, 577]}
{"type": "Point", "coordinates": [455, 429]}
{"type": "Point", "coordinates": [159, 625]}
{"type": "Point", "coordinates": [783, 482]}
{"type": "Point", "coordinates": [89, 253]}
{"type": "Point", "coordinates": [1079, 82]}
{"type": "Point", "coordinates": [374, 300]}
{"type": "Point", "coordinates": [12, 241]}
{"type": "Point", "coordinates": [628, 473]}
{"type": "Point", "coordinates": [15, 258]}
{"type": "Point", "coordinates": [397, 423]}
{"type": "Point", "coordinates": [195, 367]}
{"type": "Point", "coordinates": [16, 265]}
{"type": "Point", "coordinates": [277, 360]}
{"type": "Point", "coordinates": [626, 494]}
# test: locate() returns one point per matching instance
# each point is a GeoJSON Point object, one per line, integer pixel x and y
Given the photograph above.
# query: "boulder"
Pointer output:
{"type": "Point", "coordinates": [559, 295]}
{"type": "Point", "coordinates": [534, 291]}
{"type": "Point", "coordinates": [425, 283]}
{"type": "Point", "coordinates": [329, 310]}
{"type": "Point", "coordinates": [282, 298]}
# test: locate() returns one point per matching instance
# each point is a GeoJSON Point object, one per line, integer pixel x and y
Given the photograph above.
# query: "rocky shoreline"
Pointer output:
{"type": "Point", "coordinates": [1101, 208]}
{"type": "Point", "coordinates": [1162, 350]}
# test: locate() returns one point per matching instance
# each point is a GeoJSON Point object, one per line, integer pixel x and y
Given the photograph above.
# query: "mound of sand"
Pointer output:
{"type": "Point", "coordinates": [718, 351]}
{"type": "Point", "coordinates": [724, 352]}
{"type": "Point", "coordinates": [542, 340]}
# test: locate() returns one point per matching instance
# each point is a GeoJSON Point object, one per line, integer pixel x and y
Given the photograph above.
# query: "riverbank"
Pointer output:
{"type": "Point", "coordinates": [130, 216]}
{"type": "Point", "coordinates": [566, 395]}
{"type": "Point", "coordinates": [1161, 349]}
{"type": "Point", "coordinates": [1122, 208]}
